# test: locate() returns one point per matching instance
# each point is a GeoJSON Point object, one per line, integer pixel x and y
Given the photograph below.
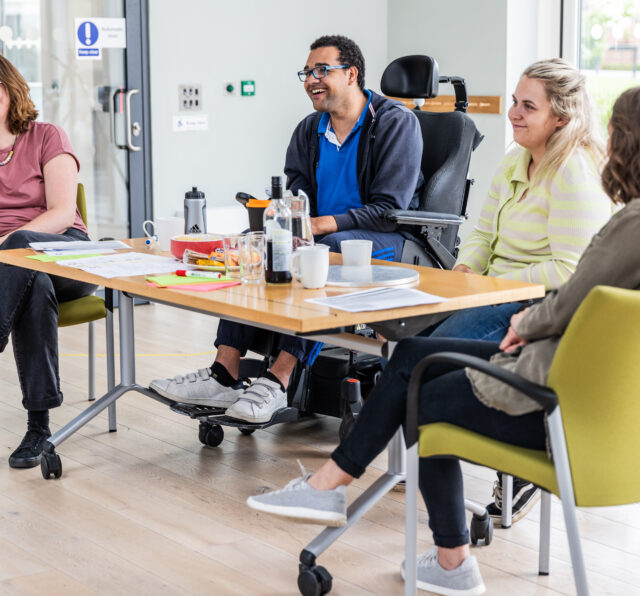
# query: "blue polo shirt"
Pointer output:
{"type": "Point", "coordinates": [336, 174]}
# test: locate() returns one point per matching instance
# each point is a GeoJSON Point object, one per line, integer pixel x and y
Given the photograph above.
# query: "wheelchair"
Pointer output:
{"type": "Point", "coordinates": [338, 380]}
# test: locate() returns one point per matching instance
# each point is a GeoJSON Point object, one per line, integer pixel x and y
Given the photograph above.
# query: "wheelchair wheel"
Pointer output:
{"type": "Point", "coordinates": [246, 431]}
{"type": "Point", "coordinates": [210, 434]}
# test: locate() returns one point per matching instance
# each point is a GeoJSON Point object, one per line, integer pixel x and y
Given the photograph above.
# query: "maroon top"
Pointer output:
{"type": "Point", "coordinates": [22, 196]}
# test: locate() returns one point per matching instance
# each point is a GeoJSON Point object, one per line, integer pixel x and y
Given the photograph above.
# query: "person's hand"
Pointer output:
{"type": "Point", "coordinates": [512, 341]}
{"type": "Point", "coordinates": [463, 269]}
{"type": "Point", "coordinates": [325, 224]}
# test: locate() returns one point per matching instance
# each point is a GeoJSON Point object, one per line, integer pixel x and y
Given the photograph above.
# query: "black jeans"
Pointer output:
{"type": "Point", "coordinates": [446, 396]}
{"type": "Point", "coordinates": [29, 312]}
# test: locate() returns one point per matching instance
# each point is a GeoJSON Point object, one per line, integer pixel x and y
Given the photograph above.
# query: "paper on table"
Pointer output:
{"type": "Point", "coordinates": [56, 252]}
{"type": "Point", "coordinates": [123, 264]}
{"type": "Point", "coordinates": [78, 245]}
{"type": "Point", "coordinates": [178, 280]}
{"type": "Point", "coordinates": [378, 299]}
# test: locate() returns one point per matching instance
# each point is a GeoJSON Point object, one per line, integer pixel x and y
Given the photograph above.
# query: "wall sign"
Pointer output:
{"type": "Point", "coordinates": [93, 35]}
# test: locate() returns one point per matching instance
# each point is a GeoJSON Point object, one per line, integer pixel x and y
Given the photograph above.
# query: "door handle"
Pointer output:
{"type": "Point", "coordinates": [112, 112]}
{"type": "Point", "coordinates": [127, 104]}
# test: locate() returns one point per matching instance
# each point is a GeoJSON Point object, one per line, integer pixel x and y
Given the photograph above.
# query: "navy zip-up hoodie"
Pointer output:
{"type": "Point", "coordinates": [388, 164]}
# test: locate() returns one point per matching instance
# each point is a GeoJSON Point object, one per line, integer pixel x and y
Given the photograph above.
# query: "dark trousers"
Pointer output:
{"type": "Point", "coordinates": [386, 246]}
{"type": "Point", "coordinates": [29, 312]}
{"type": "Point", "coordinates": [446, 396]}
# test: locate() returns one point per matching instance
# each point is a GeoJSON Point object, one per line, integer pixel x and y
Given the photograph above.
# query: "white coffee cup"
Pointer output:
{"type": "Point", "coordinates": [356, 252]}
{"type": "Point", "coordinates": [163, 229]}
{"type": "Point", "coordinates": [310, 264]}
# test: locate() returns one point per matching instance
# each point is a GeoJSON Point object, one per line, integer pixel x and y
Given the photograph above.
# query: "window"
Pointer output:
{"type": "Point", "coordinates": [609, 49]}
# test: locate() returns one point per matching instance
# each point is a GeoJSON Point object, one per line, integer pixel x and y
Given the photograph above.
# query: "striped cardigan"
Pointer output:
{"type": "Point", "coordinates": [538, 239]}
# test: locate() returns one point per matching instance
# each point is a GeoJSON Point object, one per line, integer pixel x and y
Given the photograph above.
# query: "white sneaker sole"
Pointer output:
{"type": "Point", "coordinates": [301, 514]}
{"type": "Point", "coordinates": [427, 587]}
{"type": "Point", "coordinates": [253, 419]}
{"type": "Point", "coordinates": [213, 402]}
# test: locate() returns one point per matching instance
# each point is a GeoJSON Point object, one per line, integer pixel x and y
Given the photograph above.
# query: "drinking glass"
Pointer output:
{"type": "Point", "coordinates": [233, 268]}
{"type": "Point", "coordinates": [252, 257]}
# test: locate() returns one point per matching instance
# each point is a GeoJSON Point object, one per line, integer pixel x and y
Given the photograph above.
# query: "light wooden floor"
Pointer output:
{"type": "Point", "coordinates": [149, 510]}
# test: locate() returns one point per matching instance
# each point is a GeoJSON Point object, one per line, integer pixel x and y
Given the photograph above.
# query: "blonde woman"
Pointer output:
{"type": "Point", "coordinates": [544, 205]}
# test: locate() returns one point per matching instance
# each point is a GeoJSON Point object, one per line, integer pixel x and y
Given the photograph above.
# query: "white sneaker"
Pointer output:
{"type": "Point", "coordinates": [259, 402]}
{"type": "Point", "coordinates": [198, 388]}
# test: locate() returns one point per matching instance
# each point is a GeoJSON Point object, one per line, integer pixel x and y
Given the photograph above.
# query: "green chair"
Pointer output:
{"type": "Point", "coordinates": [593, 416]}
{"type": "Point", "coordinates": [88, 310]}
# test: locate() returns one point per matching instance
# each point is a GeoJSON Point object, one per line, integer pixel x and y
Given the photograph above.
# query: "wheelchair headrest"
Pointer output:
{"type": "Point", "coordinates": [411, 77]}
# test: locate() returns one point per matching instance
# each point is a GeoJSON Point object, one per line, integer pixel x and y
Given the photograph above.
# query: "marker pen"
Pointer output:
{"type": "Point", "coordinates": [211, 274]}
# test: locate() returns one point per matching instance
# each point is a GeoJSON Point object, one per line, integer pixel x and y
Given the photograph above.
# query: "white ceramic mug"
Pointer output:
{"type": "Point", "coordinates": [163, 229]}
{"type": "Point", "coordinates": [310, 264]}
{"type": "Point", "coordinates": [356, 252]}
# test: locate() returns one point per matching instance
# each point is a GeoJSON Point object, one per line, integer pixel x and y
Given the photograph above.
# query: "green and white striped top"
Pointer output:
{"type": "Point", "coordinates": [537, 237]}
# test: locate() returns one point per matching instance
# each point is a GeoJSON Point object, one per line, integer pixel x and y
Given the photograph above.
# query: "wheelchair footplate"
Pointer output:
{"type": "Point", "coordinates": [287, 414]}
{"type": "Point", "coordinates": [194, 411]}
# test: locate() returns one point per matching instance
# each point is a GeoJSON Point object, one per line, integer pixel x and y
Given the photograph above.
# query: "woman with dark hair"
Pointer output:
{"type": "Point", "coordinates": [470, 399]}
{"type": "Point", "coordinates": [38, 186]}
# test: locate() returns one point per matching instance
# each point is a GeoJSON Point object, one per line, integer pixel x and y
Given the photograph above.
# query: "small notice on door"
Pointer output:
{"type": "Point", "coordinates": [93, 35]}
{"type": "Point", "coordinates": [190, 122]}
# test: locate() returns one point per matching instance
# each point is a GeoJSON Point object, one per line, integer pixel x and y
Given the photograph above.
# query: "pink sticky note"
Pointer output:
{"type": "Point", "coordinates": [205, 287]}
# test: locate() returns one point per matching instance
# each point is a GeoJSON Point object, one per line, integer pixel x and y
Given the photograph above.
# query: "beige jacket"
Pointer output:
{"type": "Point", "coordinates": [611, 259]}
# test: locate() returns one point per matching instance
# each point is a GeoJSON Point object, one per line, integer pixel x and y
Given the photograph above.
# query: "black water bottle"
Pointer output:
{"type": "Point", "coordinates": [277, 229]}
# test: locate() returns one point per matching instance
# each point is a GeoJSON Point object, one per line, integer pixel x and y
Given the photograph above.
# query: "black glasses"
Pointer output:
{"type": "Point", "coordinates": [319, 72]}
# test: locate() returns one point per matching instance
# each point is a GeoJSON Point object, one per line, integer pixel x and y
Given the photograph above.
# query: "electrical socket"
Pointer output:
{"type": "Point", "coordinates": [189, 98]}
{"type": "Point", "coordinates": [230, 88]}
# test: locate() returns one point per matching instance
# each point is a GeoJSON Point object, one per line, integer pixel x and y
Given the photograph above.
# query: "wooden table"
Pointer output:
{"type": "Point", "coordinates": [283, 309]}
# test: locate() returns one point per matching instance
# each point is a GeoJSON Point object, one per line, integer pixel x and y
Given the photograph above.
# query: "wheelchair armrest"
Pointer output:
{"type": "Point", "coordinates": [423, 218]}
{"type": "Point", "coordinates": [541, 394]}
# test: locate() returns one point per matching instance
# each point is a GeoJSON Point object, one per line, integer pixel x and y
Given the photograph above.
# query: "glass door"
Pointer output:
{"type": "Point", "coordinates": [85, 62]}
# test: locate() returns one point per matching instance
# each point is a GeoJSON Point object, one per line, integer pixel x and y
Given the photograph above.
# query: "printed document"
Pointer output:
{"type": "Point", "coordinates": [378, 299]}
{"type": "Point", "coordinates": [123, 264]}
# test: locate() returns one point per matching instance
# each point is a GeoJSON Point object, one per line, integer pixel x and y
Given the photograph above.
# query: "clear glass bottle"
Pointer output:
{"type": "Point", "coordinates": [277, 229]}
{"type": "Point", "coordinates": [300, 220]}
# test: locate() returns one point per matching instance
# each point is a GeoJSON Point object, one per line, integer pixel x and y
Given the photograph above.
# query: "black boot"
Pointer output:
{"type": "Point", "coordinates": [28, 453]}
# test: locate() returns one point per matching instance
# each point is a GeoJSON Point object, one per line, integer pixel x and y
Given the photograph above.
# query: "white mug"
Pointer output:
{"type": "Point", "coordinates": [356, 252]}
{"type": "Point", "coordinates": [163, 229]}
{"type": "Point", "coordinates": [310, 264]}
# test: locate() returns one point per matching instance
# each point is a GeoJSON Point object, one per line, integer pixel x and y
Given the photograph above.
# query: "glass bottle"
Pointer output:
{"type": "Point", "coordinates": [277, 229]}
{"type": "Point", "coordinates": [300, 221]}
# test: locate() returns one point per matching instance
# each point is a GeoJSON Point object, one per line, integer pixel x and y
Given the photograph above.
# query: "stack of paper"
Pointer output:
{"type": "Point", "coordinates": [122, 264]}
{"type": "Point", "coordinates": [378, 299]}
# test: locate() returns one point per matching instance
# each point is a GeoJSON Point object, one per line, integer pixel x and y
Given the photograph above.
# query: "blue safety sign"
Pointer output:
{"type": "Point", "coordinates": [87, 33]}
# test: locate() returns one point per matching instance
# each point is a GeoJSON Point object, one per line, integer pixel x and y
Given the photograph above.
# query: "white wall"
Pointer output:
{"type": "Point", "coordinates": [488, 43]}
{"type": "Point", "coordinates": [213, 41]}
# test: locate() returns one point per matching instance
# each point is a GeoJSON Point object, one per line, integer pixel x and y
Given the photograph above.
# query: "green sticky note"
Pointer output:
{"type": "Point", "coordinates": [53, 259]}
{"type": "Point", "coordinates": [174, 280]}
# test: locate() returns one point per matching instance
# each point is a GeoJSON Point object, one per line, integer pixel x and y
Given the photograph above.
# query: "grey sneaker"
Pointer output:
{"type": "Point", "coordinates": [301, 502]}
{"type": "Point", "coordinates": [464, 580]}
{"type": "Point", "coordinates": [198, 388]}
{"type": "Point", "coordinates": [259, 402]}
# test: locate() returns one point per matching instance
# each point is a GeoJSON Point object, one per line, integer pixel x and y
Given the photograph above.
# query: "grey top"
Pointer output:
{"type": "Point", "coordinates": [611, 259]}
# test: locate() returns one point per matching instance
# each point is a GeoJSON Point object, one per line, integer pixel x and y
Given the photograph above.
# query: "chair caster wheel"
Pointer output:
{"type": "Point", "coordinates": [50, 465]}
{"type": "Point", "coordinates": [210, 434]}
{"type": "Point", "coordinates": [314, 581]}
{"type": "Point", "coordinates": [346, 425]}
{"type": "Point", "coordinates": [481, 529]}
{"type": "Point", "coordinates": [246, 431]}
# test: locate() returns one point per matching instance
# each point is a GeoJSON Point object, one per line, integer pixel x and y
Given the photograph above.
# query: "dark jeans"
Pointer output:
{"type": "Point", "coordinates": [446, 396]}
{"type": "Point", "coordinates": [29, 312]}
{"type": "Point", "coordinates": [488, 323]}
{"type": "Point", "coordinates": [386, 246]}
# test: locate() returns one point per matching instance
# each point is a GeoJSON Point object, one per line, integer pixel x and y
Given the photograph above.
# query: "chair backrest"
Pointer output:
{"type": "Point", "coordinates": [448, 139]}
{"type": "Point", "coordinates": [81, 203]}
{"type": "Point", "coordinates": [596, 375]}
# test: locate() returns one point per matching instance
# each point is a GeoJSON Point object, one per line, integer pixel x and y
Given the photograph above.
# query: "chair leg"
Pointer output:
{"type": "Point", "coordinates": [545, 534]}
{"type": "Point", "coordinates": [411, 523]}
{"type": "Point", "coordinates": [565, 486]}
{"type": "Point", "coordinates": [111, 359]}
{"type": "Point", "coordinates": [92, 361]}
{"type": "Point", "coordinates": [507, 500]}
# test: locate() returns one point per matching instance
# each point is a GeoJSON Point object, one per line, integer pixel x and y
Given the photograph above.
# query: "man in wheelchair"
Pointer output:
{"type": "Point", "coordinates": [357, 156]}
